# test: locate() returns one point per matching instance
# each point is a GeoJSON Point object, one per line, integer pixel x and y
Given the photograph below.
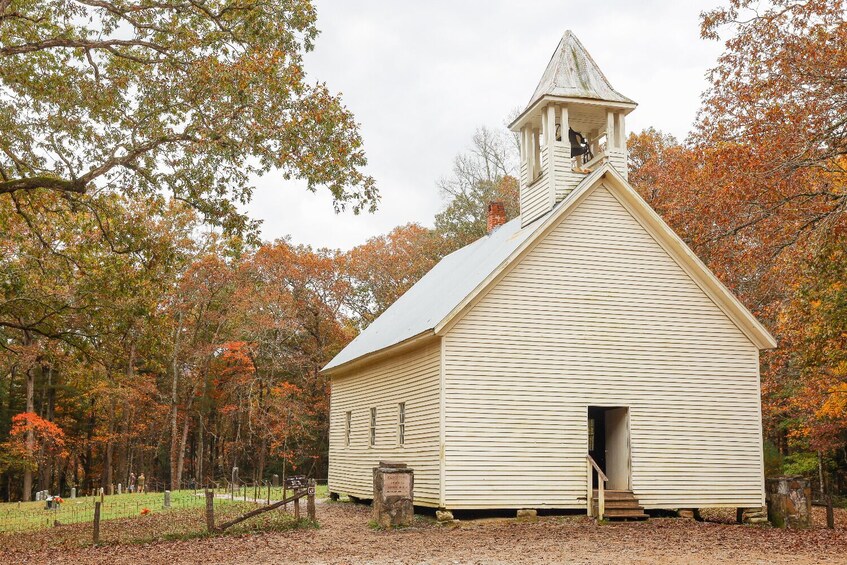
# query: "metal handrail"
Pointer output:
{"type": "Point", "coordinates": [591, 464]}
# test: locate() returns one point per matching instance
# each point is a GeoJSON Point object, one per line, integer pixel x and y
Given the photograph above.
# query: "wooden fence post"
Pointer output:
{"type": "Point", "coordinates": [297, 509]}
{"type": "Point", "coordinates": [830, 517]}
{"type": "Point", "coordinates": [96, 522]}
{"type": "Point", "coordinates": [210, 510]}
{"type": "Point", "coordinates": [269, 494]}
{"type": "Point", "coordinates": [310, 500]}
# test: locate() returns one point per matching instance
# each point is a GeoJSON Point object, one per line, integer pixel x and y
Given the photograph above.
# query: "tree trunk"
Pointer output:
{"type": "Point", "coordinates": [175, 455]}
{"type": "Point", "coordinates": [30, 437]}
{"type": "Point", "coordinates": [181, 459]}
{"type": "Point", "coordinates": [198, 470]}
{"type": "Point", "coordinates": [107, 464]}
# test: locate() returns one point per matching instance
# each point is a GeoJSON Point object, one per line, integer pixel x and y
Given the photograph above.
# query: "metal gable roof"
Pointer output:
{"type": "Point", "coordinates": [450, 286]}
{"type": "Point", "coordinates": [572, 73]}
{"type": "Point", "coordinates": [433, 297]}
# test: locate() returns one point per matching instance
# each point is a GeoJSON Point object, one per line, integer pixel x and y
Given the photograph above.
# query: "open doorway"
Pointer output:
{"type": "Point", "coordinates": [608, 444]}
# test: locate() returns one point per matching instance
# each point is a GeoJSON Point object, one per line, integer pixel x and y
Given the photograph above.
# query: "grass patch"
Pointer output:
{"type": "Point", "coordinates": [176, 524]}
{"type": "Point", "coordinates": [32, 516]}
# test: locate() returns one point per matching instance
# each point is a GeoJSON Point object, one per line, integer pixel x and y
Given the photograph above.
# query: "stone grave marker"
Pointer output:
{"type": "Point", "coordinates": [393, 494]}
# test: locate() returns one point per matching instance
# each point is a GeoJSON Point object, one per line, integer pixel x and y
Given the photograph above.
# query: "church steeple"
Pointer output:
{"type": "Point", "coordinates": [573, 96]}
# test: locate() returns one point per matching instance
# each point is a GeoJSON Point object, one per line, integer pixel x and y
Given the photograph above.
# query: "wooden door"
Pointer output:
{"type": "Point", "coordinates": [617, 449]}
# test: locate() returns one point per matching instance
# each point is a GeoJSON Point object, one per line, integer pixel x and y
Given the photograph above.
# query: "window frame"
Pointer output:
{"type": "Point", "coordinates": [372, 428]}
{"type": "Point", "coordinates": [348, 423]}
{"type": "Point", "coordinates": [401, 424]}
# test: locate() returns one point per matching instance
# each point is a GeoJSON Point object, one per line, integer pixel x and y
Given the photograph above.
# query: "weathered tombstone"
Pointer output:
{"type": "Point", "coordinates": [120, 487]}
{"type": "Point", "coordinates": [73, 492]}
{"type": "Point", "coordinates": [167, 499]}
{"type": "Point", "coordinates": [393, 495]}
{"type": "Point", "coordinates": [789, 501]}
{"type": "Point", "coordinates": [275, 479]}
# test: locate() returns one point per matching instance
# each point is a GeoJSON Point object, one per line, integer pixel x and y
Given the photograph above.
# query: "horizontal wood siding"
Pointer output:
{"type": "Point", "coordinates": [535, 198]}
{"type": "Point", "coordinates": [597, 314]}
{"type": "Point", "coordinates": [566, 179]}
{"type": "Point", "coordinates": [413, 378]}
{"type": "Point", "coordinates": [618, 160]}
{"type": "Point", "coordinates": [524, 175]}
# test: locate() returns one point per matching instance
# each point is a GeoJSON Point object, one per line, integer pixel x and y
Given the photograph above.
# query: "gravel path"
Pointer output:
{"type": "Point", "coordinates": [345, 537]}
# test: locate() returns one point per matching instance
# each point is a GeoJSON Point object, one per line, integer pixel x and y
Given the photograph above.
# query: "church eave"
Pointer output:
{"type": "Point", "coordinates": [533, 108]}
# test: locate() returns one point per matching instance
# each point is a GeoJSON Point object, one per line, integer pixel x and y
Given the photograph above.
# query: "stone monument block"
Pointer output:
{"type": "Point", "coordinates": [789, 501]}
{"type": "Point", "coordinates": [393, 495]}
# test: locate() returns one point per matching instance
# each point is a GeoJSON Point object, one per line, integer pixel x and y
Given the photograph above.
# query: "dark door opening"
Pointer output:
{"type": "Point", "coordinates": [597, 438]}
{"type": "Point", "coordinates": [608, 444]}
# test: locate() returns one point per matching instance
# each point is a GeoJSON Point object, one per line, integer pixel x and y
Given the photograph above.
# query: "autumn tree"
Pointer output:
{"type": "Point", "coordinates": [781, 83]}
{"type": "Point", "coordinates": [189, 98]}
{"type": "Point", "coordinates": [483, 173]}
{"type": "Point", "coordinates": [386, 266]}
{"type": "Point", "coordinates": [32, 440]}
{"type": "Point", "coordinates": [299, 324]}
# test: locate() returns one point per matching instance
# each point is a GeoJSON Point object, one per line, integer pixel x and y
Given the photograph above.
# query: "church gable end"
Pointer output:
{"type": "Point", "coordinates": [597, 313]}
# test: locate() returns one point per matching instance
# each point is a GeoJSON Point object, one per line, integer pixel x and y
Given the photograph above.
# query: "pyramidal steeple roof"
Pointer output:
{"type": "Point", "coordinates": [572, 73]}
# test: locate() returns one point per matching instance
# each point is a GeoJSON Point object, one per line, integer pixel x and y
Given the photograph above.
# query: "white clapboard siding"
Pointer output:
{"type": "Point", "coordinates": [598, 314]}
{"type": "Point", "coordinates": [413, 378]}
{"type": "Point", "coordinates": [566, 179]}
{"type": "Point", "coordinates": [524, 181]}
{"type": "Point", "coordinates": [535, 198]}
{"type": "Point", "coordinates": [618, 160]}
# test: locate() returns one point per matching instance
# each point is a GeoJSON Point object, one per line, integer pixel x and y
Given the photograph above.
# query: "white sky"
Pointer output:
{"type": "Point", "coordinates": [421, 76]}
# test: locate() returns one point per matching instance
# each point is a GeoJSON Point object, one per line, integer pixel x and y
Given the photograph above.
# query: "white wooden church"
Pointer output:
{"type": "Point", "coordinates": [583, 335]}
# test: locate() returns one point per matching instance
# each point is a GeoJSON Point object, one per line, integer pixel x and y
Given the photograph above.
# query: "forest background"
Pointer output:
{"type": "Point", "coordinates": [144, 326]}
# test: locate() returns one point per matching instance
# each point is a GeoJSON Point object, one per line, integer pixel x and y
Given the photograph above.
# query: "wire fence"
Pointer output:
{"type": "Point", "coordinates": [32, 516]}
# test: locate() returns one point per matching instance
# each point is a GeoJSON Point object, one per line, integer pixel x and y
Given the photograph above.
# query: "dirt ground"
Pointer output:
{"type": "Point", "coordinates": [346, 537]}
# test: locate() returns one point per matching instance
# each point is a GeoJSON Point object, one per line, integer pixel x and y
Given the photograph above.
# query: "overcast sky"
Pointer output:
{"type": "Point", "coordinates": [421, 76]}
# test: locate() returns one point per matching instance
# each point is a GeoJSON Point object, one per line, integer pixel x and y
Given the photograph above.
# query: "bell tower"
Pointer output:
{"type": "Point", "coordinates": [573, 123]}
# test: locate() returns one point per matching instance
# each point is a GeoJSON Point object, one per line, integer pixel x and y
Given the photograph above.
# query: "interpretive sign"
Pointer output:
{"type": "Point", "coordinates": [397, 484]}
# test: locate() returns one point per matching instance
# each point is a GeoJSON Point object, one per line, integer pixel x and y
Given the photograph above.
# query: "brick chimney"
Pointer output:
{"type": "Point", "coordinates": [496, 215]}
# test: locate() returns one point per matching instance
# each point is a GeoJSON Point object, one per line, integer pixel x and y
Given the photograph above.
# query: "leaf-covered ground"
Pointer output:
{"type": "Point", "coordinates": [345, 537]}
